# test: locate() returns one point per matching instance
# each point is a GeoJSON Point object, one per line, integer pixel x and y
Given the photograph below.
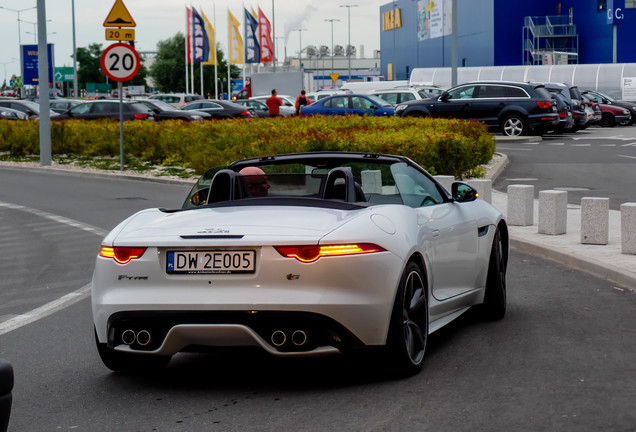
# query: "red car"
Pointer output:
{"type": "Point", "coordinates": [611, 115]}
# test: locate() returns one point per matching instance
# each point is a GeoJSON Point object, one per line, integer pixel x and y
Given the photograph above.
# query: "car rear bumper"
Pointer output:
{"type": "Point", "coordinates": [543, 122]}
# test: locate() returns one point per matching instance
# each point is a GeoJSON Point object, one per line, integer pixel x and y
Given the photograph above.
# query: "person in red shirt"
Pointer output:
{"type": "Point", "coordinates": [273, 104]}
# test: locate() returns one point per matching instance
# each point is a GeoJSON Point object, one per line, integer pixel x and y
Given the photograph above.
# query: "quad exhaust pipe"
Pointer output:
{"type": "Point", "coordinates": [142, 337]}
{"type": "Point", "coordinates": [298, 338]}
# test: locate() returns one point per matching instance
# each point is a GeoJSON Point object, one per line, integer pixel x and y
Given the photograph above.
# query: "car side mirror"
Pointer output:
{"type": "Point", "coordinates": [463, 192]}
{"type": "Point", "coordinates": [200, 197]}
{"type": "Point", "coordinates": [444, 96]}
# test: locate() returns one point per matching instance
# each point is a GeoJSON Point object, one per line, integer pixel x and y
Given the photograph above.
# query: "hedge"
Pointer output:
{"type": "Point", "coordinates": [442, 146]}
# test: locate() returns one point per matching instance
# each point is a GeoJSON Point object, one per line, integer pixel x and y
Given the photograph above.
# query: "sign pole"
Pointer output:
{"type": "Point", "coordinates": [121, 126]}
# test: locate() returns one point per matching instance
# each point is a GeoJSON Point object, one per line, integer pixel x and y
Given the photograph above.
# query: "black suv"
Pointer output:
{"type": "Point", "coordinates": [513, 107]}
{"type": "Point", "coordinates": [99, 109]}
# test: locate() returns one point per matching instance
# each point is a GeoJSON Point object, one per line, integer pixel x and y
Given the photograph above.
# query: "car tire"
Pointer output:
{"type": "Point", "coordinates": [408, 332]}
{"type": "Point", "coordinates": [607, 120]}
{"type": "Point", "coordinates": [415, 114]}
{"type": "Point", "coordinates": [494, 305]}
{"type": "Point", "coordinates": [122, 362]}
{"type": "Point", "coordinates": [514, 125]}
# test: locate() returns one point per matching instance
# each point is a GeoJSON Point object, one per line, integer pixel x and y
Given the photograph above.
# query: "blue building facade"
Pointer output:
{"type": "Point", "coordinates": [418, 33]}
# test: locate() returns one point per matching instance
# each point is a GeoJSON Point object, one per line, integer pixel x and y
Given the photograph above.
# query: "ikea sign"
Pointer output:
{"type": "Point", "coordinates": [615, 11]}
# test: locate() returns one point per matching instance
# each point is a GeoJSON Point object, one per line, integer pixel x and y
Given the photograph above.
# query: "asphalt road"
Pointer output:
{"type": "Point", "coordinates": [562, 359]}
{"type": "Point", "coordinates": [595, 162]}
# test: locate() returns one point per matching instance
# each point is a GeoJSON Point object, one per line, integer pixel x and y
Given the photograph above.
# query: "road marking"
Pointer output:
{"type": "Point", "coordinates": [556, 144]}
{"type": "Point", "coordinates": [607, 145]}
{"type": "Point", "coordinates": [620, 137]}
{"type": "Point", "coordinates": [625, 156]}
{"type": "Point", "coordinates": [45, 310]}
{"type": "Point", "coordinates": [581, 145]}
{"type": "Point", "coordinates": [532, 143]}
{"type": "Point", "coordinates": [629, 145]}
{"type": "Point", "coordinates": [509, 148]}
{"type": "Point", "coordinates": [62, 302]}
{"type": "Point", "coordinates": [522, 179]}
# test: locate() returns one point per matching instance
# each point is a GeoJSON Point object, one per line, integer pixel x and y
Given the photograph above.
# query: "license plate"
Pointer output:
{"type": "Point", "coordinates": [210, 262]}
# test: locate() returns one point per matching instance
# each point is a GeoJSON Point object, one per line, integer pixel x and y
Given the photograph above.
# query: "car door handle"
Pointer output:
{"type": "Point", "coordinates": [435, 233]}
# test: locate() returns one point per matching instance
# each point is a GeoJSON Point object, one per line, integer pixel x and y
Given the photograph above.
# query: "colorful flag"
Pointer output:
{"type": "Point", "coordinates": [252, 48]}
{"type": "Point", "coordinates": [209, 30]}
{"type": "Point", "coordinates": [265, 38]}
{"type": "Point", "coordinates": [236, 41]}
{"type": "Point", "coordinates": [189, 33]}
{"type": "Point", "coordinates": [201, 44]}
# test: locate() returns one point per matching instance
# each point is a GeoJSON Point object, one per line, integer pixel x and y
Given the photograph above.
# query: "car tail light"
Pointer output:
{"type": "Point", "coordinates": [544, 104]}
{"type": "Point", "coordinates": [311, 253]}
{"type": "Point", "coordinates": [122, 255]}
{"type": "Point", "coordinates": [246, 113]}
{"type": "Point", "coordinates": [141, 116]}
{"type": "Point", "coordinates": [563, 114]}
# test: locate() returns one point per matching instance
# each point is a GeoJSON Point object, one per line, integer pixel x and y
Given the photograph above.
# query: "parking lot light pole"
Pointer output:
{"type": "Point", "coordinates": [349, 6]}
{"type": "Point", "coordinates": [18, 12]}
{"type": "Point", "coordinates": [331, 20]}
{"type": "Point", "coordinates": [5, 69]}
{"type": "Point", "coordinates": [300, 46]}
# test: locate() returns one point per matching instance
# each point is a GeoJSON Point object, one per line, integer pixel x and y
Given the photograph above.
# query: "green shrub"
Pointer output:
{"type": "Point", "coordinates": [442, 146]}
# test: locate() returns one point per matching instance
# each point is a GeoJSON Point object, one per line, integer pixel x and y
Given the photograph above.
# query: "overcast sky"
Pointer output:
{"type": "Point", "coordinates": [161, 19]}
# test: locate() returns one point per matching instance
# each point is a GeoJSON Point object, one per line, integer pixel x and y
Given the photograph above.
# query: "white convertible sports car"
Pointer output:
{"type": "Point", "coordinates": [300, 255]}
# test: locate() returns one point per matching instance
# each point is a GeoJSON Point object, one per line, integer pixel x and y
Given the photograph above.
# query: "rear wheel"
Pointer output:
{"type": "Point", "coordinates": [607, 120]}
{"type": "Point", "coordinates": [494, 306]}
{"type": "Point", "coordinates": [514, 125]}
{"type": "Point", "coordinates": [124, 362]}
{"type": "Point", "coordinates": [408, 332]}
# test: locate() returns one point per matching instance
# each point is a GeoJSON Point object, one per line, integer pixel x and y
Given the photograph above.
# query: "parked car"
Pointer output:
{"type": "Point", "coordinates": [12, 114]}
{"type": "Point", "coordinates": [398, 95]}
{"type": "Point", "coordinates": [61, 105]}
{"type": "Point", "coordinates": [220, 109]}
{"type": "Point", "coordinates": [516, 108]}
{"type": "Point", "coordinates": [176, 99]}
{"type": "Point", "coordinates": [300, 255]}
{"type": "Point", "coordinates": [321, 94]}
{"type": "Point", "coordinates": [564, 108]}
{"type": "Point", "coordinates": [611, 115]}
{"type": "Point", "coordinates": [6, 396]}
{"type": "Point", "coordinates": [108, 109]}
{"type": "Point", "coordinates": [288, 101]}
{"type": "Point", "coordinates": [602, 98]}
{"type": "Point", "coordinates": [349, 104]}
{"type": "Point", "coordinates": [261, 109]}
{"type": "Point", "coordinates": [31, 109]}
{"type": "Point", "coordinates": [165, 111]}
{"type": "Point", "coordinates": [582, 118]}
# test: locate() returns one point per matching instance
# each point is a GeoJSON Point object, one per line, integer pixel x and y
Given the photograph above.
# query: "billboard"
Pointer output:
{"type": "Point", "coordinates": [29, 57]}
{"type": "Point", "coordinates": [434, 19]}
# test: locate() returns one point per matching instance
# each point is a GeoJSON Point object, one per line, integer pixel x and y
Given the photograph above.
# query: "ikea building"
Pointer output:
{"type": "Point", "coordinates": [419, 33]}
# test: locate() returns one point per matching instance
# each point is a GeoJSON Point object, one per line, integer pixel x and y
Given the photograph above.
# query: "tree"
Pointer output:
{"type": "Point", "coordinates": [90, 68]}
{"type": "Point", "coordinates": [168, 70]}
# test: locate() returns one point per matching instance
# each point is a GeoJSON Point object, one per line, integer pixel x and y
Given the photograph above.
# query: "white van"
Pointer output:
{"type": "Point", "coordinates": [368, 86]}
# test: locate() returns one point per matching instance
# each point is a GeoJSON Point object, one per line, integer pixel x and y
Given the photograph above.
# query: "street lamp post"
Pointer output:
{"type": "Point", "coordinates": [300, 47]}
{"type": "Point", "coordinates": [18, 12]}
{"type": "Point", "coordinates": [349, 6]}
{"type": "Point", "coordinates": [5, 69]}
{"type": "Point", "coordinates": [331, 20]}
{"type": "Point", "coordinates": [35, 32]}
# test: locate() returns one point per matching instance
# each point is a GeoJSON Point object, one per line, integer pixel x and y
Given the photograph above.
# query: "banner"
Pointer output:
{"type": "Point", "coordinates": [201, 44]}
{"type": "Point", "coordinates": [236, 41]}
{"type": "Point", "coordinates": [210, 59]}
{"type": "Point", "coordinates": [265, 38]}
{"type": "Point", "coordinates": [252, 47]}
{"type": "Point", "coordinates": [189, 33]}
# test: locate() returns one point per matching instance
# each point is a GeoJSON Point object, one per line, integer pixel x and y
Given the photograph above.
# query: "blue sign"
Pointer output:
{"type": "Point", "coordinates": [615, 11]}
{"type": "Point", "coordinates": [30, 64]}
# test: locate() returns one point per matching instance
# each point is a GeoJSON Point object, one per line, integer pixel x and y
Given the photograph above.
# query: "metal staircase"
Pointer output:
{"type": "Point", "coordinates": [550, 40]}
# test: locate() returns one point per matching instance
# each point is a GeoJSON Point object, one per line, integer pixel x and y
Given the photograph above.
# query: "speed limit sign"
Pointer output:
{"type": "Point", "coordinates": [120, 62]}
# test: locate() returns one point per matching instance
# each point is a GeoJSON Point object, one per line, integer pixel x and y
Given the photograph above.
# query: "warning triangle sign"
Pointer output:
{"type": "Point", "coordinates": [119, 16]}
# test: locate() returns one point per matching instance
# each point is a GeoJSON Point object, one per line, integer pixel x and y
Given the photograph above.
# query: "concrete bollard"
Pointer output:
{"type": "Point", "coordinates": [446, 181]}
{"type": "Point", "coordinates": [520, 205]}
{"type": "Point", "coordinates": [594, 220]}
{"type": "Point", "coordinates": [484, 188]}
{"type": "Point", "coordinates": [628, 228]}
{"type": "Point", "coordinates": [553, 212]}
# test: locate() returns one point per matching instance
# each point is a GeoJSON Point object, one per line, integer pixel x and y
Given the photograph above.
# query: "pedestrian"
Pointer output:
{"type": "Point", "coordinates": [301, 101]}
{"type": "Point", "coordinates": [273, 104]}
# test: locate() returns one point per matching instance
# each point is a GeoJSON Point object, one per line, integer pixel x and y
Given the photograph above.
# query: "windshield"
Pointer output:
{"type": "Point", "coordinates": [363, 183]}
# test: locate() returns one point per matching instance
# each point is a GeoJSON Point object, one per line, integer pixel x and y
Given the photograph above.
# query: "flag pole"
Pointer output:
{"type": "Point", "coordinates": [216, 60]}
{"type": "Point", "coordinates": [192, 52]}
{"type": "Point", "coordinates": [229, 57]}
{"type": "Point", "coordinates": [186, 54]}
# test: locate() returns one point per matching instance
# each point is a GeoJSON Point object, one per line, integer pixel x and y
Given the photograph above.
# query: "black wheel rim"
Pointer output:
{"type": "Point", "coordinates": [415, 317]}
